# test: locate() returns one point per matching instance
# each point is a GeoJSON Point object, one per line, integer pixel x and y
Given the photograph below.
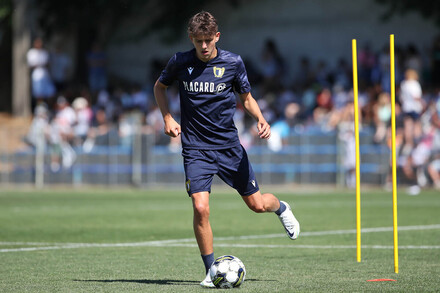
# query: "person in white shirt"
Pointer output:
{"type": "Point", "coordinates": [38, 62]}
{"type": "Point", "coordinates": [412, 108]}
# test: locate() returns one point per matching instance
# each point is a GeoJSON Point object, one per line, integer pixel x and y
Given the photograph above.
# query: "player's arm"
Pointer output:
{"type": "Point", "coordinates": [253, 109]}
{"type": "Point", "coordinates": [171, 128]}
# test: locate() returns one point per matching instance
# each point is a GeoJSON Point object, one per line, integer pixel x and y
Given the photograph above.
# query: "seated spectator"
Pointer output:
{"type": "Point", "coordinates": [140, 99]}
{"type": "Point", "coordinates": [323, 109]}
{"type": "Point", "coordinates": [61, 134]}
{"type": "Point", "coordinates": [434, 172]}
{"type": "Point", "coordinates": [280, 130]}
{"type": "Point", "coordinates": [101, 132]}
{"type": "Point", "coordinates": [39, 129]}
{"type": "Point", "coordinates": [83, 119]}
{"type": "Point", "coordinates": [382, 117]}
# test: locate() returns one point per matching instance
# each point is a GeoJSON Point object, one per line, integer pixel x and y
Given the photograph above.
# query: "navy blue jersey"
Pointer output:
{"type": "Point", "coordinates": [207, 98]}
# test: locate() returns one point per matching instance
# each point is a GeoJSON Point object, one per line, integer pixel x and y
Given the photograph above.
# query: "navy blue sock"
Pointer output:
{"type": "Point", "coordinates": [281, 209]}
{"type": "Point", "coordinates": [208, 260]}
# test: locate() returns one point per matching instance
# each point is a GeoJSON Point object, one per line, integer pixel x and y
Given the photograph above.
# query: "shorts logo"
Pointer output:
{"type": "Point", "coordinates": [218, 71]}
{"type": "Point", "coordinates": [188, 185]}
{"type": "Point", "coordinates": [220, 87]}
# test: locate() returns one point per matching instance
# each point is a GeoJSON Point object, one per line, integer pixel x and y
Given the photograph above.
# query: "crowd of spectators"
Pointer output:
{"type": "Point", "coordinates": [313, 96]}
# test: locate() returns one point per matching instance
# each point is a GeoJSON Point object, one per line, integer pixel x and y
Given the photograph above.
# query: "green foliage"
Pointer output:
{"type": "Point", "coordinates": [166, 15]}
{"type": "Point", "coordinates": [427, 8]}
{"type": "Point", "coordinates": [5, 13]}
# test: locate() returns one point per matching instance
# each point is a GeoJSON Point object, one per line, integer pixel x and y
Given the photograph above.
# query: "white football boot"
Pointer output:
{"type": "Point", "coordinates": [207, 283]}
{"type": "Point", "coordinates": [290, 223]}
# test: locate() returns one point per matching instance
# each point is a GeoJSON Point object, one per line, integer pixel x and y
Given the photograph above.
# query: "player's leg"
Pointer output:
{"type": "Point", "coordinates": [236, 170]}
{"type": "Point", "coordinates": [267, 202]}
{"type": "Point", "coordinates": [202, 227]}
{"type": "Point", "coordinates": [260, 203]}
{"type": "Point", "coordinates": [203, 232]}
{"type": "Point", "coordinates": [200, 168]}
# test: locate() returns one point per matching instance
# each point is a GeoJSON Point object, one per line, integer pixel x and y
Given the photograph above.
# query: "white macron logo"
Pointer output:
{"type": "Point", "coordinates": [253, 182]}
{"type": "Point", "coordinates": [190, 70]}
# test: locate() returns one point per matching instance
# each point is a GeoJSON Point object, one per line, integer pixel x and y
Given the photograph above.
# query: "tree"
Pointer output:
{"type": "Point", "coordinates": [5, 54]}
{"type": "Point", "coordinates": [87, 21]}
{"type": "Point", "coordinates": [427, 8]}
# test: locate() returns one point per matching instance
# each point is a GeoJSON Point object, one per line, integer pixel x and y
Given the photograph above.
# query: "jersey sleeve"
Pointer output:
{"type": "Point", "coordinates": [169, 74]}
{"type": "Point", "coordinates": [241, 82]}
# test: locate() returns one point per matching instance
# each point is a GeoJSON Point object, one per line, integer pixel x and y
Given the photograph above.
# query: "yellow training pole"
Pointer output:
{"type": "Point", "coordinates": [358, 162]}
{"type": "Point", "coordinates": [393, 152]}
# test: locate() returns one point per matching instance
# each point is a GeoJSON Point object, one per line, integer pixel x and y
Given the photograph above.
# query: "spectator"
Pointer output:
{"type": "Point", "coordinates": [322, 74]}
{"type": "Point", "coordinates": [60, 68]}
{"type": "Point", "coordinates": [281, 128]}
{"type": "Point", "coordinates": [38, 61]}
{"type": "Point", "coordinates": [61, 134]}
{"type": "Point", "coordinates": [39, 128]}
{"type": "Point", "coordinates": [367, 61]}
{"type": "Point", "coordinates": [83, 119]}
{"type": "Point", "coordinates": [304, 76]}
{"type": "Point", "coordinates": [97, 64]}
{"type": "Point", "coordinates": [412, 107]}
{"type": "Point", "coordinates": [413, 59]}
{"type": "Point", "coordinates": [139, 98]}
{"type": "Point", "coordinates": [342, 74]}
{"type": "Point", "coordinates": [323, 109]}
{"type": "Point", "coordinates": [435, 63]}
{"type": "Point", "coordinates": [416, 162]}
{"type": "Point", "coordinates": [273, 67]}
{"type": "Point", "coordinates": [344, 121]}
{"type": "Point", "coordinates": [382, 117]}
{"type": "Point", "coordinates": [434, 172]}
{"type": "Point", "coordinates": [101, 132]}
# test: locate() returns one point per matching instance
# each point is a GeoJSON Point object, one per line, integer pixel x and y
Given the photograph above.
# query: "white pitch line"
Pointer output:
{"type": "Point", "coordinates": [183, 242]}
{"type": "Point", "coordinates": [308, 246]}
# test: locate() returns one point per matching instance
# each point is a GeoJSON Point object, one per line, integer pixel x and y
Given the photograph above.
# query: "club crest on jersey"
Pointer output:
{"type": "Point", "coordinates": [188, 185]}
{"type": "Point", "coordinates": [218, 71]}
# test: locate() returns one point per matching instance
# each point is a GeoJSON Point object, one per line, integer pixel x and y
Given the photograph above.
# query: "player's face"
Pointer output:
{"type": "Point", "coordinates": [205, 46]}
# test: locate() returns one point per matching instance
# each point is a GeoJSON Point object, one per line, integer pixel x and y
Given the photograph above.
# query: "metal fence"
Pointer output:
{"type": "Point", "coordinates": [310, 157]}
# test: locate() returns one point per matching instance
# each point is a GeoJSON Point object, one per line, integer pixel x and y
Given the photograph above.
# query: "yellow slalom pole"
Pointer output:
{"type": "Point", "coordinates": [393, 152]}
{"type": "Point", "coordinates": [358, 162]}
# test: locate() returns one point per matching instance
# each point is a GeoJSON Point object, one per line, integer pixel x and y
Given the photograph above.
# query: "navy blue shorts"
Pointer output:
{"type": "Point", "coordinates": [413, 115]}
{"type": "Point", "coordinates": [231, 165]}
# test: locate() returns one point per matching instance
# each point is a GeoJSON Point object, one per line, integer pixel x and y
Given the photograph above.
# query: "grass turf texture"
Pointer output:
{"type": "Point", "coordinates": [47, 220]}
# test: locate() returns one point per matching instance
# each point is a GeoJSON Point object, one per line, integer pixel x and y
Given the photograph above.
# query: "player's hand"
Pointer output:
{"type": "Point", "coordinates": [172, 128]}
{"type": "Point", "coordinates": [263, 129]}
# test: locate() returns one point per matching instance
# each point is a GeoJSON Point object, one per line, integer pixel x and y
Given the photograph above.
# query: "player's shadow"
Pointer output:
{"type": "Point", "coordinates": [144, 281]}
{"type": "Point", "coordinates": [160, 282]}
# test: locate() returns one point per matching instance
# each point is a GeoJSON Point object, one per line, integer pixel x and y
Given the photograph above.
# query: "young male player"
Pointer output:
{"type": "Point", "coordinates": [208, 78]}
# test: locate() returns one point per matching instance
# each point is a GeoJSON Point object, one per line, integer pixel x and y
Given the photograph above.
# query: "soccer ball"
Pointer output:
{"type": "Point", "coordinates": [227, 271]}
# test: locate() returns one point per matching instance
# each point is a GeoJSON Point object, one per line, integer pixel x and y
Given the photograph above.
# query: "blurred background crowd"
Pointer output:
{"type": "Point", "coordinates": [318, 98]}
{"type": "Point", "coordinates": [88, 68]}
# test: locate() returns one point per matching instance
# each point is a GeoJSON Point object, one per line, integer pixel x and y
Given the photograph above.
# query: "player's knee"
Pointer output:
{"type": "Point", "coordinates": [201, 210]}
{"type": "Point", "coordinates": [258, 208]}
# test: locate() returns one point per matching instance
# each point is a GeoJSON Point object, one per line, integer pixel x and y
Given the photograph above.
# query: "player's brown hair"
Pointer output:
{"type": "Point", "coordinates": [202, 23]}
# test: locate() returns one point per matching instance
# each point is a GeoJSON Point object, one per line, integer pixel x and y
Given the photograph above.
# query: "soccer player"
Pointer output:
{"type": "Point", "coordinates": [208, 77]}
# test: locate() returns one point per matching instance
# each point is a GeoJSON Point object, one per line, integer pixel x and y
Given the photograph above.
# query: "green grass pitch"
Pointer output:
{"type": "Point", "coordinates": [125, 240]}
